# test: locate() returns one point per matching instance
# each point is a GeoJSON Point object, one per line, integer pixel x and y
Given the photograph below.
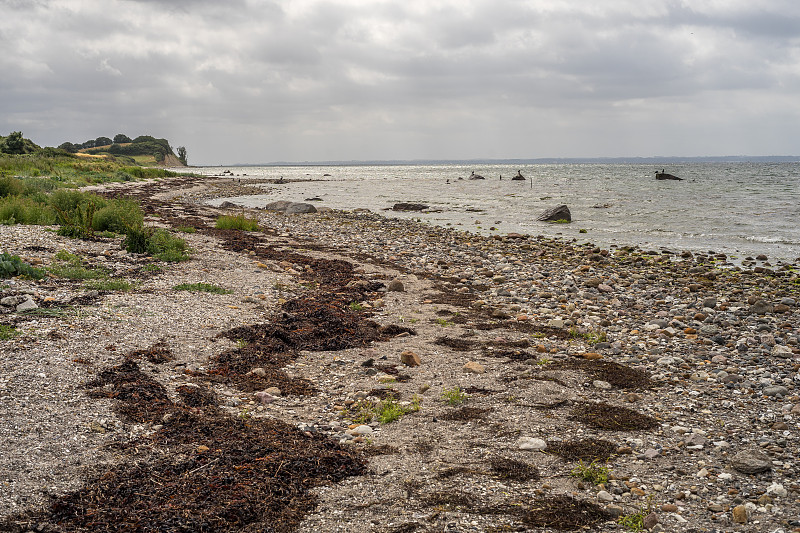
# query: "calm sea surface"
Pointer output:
{"type": "Point", "coordinates": [738, 208]}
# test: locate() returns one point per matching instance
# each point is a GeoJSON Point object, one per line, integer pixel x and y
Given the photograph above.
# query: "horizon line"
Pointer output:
{"type": "Point", "coordinates": [539, 160]}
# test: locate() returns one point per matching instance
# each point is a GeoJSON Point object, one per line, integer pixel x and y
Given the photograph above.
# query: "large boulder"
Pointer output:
{"type": "Point", "coordinates": [290, 208]}
{"type": "Point", "coordinates": [279, 205]}
{"type": "Point", "coordinates": [297, 208]}
{"type": "Point", "coordinates": [555, 214]}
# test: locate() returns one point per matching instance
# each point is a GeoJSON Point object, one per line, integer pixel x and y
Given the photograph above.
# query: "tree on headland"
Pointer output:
{"type": "Point", "coordinates": [69, 147]}
{"type": "Point", "coordinates": [13, 144]}
{"type": "Point", "coordinates": [103, 141]}
{"type": "Point", "coordinates": [182, 154]}
{"type": "Point", "coordinates": [120, 138]}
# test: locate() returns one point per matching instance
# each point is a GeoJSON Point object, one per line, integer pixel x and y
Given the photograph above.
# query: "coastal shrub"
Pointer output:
{"type": "Point", "coordinates": [166, 247]}
{"type": "Point", "coordinates": [159, 243]}
{"type": "Point", "coordinates": [21, 210]}
{"type": "Point", "coordinates": [237, 222]}
{"type": "Point", "coordinates": [13, 265]}
{"type": "Point", "coordinates": [10, 186]}
{"type": "Point", "coordinates": [118, 215]}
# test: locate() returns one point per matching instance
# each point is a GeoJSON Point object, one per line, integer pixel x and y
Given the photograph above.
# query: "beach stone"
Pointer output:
{"type": "Point", "coordinates": [264, 397]}
{"type": "Point", "coordinates": [777, 490]}
{"type": "Point", "coordinates": [396, 286]}
{"type": "Point", "coordinates": [669, 508]}
{"type": "Point", "coordinates": [711, 303]}
{"type": "Point", "coordinates": [782, 351]}
{"type": "Point", "coordinates": [474, 367]}
{"type": "Point", "coordinates": [560, 212]}
{"type": "Point", "coordinates": [363, 429]}
{"type": "Point", "coordinates": [760, 307]}
{"type": "Point", "coordinates": [602, 385]}
{"type": "Point", "coordinates": [650, 521]}
{"type": "Point", "coordinates": [751, 461]}
{"type": "Point", "coordinates": [299, 208]}
{"type": "Point", "coordinates": [605, 496]}
{"type": "Point", "coordinates": [739, 514]}
{"type": "Point", "coordinates": [410, 358]}
{"type": "Point", "coordinates": [279, 205]}
{"type": "Point", "coordinates": [776, 390]}
{"type": "Point", "coordinates": [531, 444]}
{"type": "Point", "coordinates": [13, 301]}
{"type": "Point", "coordinates": [27, 305]}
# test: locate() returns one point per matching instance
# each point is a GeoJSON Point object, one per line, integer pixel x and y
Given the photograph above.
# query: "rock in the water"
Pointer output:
{"type": "Point", "coordinates": [408, 206]}
{"type": "Point", "coordinates": [751, 462]}
{"type": "Point", "coordinates": [560, 212]}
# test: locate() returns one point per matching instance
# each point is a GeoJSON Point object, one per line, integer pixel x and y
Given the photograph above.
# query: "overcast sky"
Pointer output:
{"type": "Point", "coordinates": [251, 81]}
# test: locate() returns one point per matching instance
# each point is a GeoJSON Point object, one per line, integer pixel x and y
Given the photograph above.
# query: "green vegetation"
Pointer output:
{"type": "Point", "coordinates": [121, 285]}
{"type": "Point", "coordinates": [635, 521]}
{"type": "Point", "coordinates": [8, 332]}
{"type": "Point", "coordinates": [186, 229]}
{"type": "Point", "coordinates": [201, 287]}
{"type": "Point", "coordinates": [593, 472]}
{"type": "Point", "coordinates": [237, 222]}
{"type": "Point", "coordinates": [12, 265]}
{"type": "Point", "coordinates": [591, 337]}
{"type": "Point", "coordinates": [443, 322]}
{"type": "Point", "coordinates": [356, 306]}
{"type": "Point", "coordinates": [386, 411]}
{"type": "Point", "coordinates": [70, 266]}
{"type": "Point", "coordinates": [158, 243]}
{"type": "Point", "coordinates": [454, 396]}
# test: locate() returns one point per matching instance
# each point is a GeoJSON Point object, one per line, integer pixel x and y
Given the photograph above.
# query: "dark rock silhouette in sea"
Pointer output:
{"type": "Point", "coordinates": [555, 214]}
{"type": "Point", "coordinates": [474, 176]}
{"type": "Point", "coordinates": [518, 177]}
{"type": "Point", "coordinates": [664, 176]}
{"type": "Point", "coordinates": [408, 206]}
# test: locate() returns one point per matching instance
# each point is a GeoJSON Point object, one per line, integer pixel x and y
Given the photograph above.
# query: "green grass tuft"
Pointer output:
{"type": "Point", "coordinates": [8, 332]}
{"type": "Point", "coordinates": [454, 396]}
{"type": "Point", "coordinates": [201, 287]}
{"type": "Point", "coordinates": [239, 222]}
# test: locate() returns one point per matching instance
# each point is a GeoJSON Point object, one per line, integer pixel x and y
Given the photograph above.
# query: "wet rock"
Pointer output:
{"type": "Point", "coordinates": [409, 206]}
{"type": "Point", "coordinates": [560, 212]}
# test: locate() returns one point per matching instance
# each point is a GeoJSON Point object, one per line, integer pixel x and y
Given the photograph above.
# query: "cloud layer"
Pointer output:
{"type": "Point", "coordinates": [258, 81]}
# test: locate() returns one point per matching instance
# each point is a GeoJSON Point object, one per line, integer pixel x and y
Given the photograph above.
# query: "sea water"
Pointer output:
{"type": "Point", "coordinates": [741, 209]}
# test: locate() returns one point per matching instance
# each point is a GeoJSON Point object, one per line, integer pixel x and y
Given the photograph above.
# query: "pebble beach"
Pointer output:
{"type": "Point", "coordinates": [521, 366]}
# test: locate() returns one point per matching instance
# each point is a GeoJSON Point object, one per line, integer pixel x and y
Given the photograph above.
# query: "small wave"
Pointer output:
{"type": "Point", "coordinates": [772, 240]}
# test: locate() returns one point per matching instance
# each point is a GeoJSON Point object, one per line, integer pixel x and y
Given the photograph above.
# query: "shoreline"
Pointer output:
{"type": "Point", "coordinates": [535, 329]}
{"type": "Point", "coordinates": [740, 250]}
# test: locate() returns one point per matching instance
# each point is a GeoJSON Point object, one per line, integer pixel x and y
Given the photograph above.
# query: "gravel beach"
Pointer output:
{"type": "Point", "coordinates": [532, 384]}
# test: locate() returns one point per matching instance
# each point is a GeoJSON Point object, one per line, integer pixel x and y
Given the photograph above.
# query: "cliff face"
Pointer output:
{"type": "Point", "coordinates": [171, 161]}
